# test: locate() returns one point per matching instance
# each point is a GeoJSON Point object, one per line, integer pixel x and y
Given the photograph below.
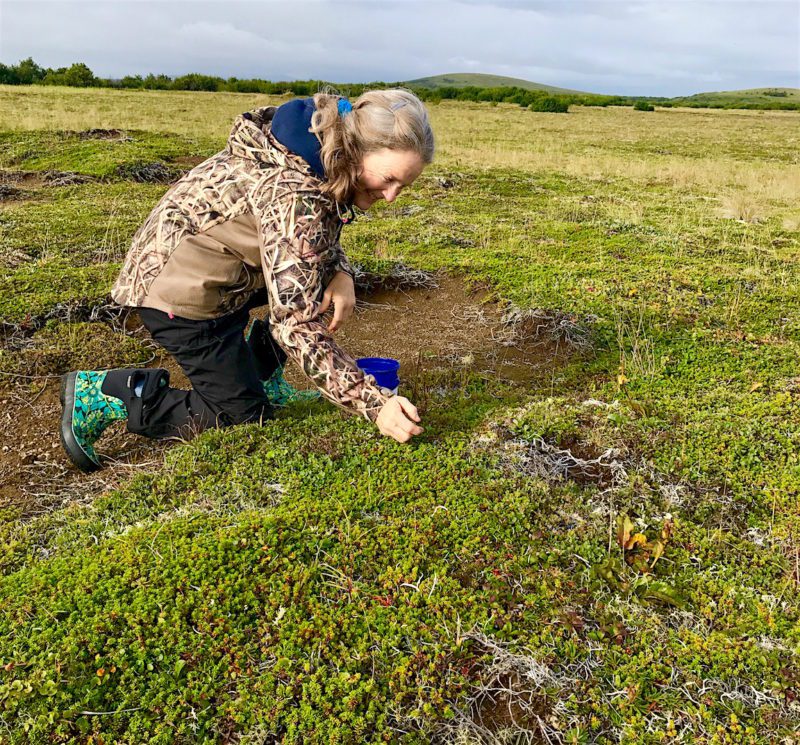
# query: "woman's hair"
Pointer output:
{"type": "Point", "coordinates": [395, 119]}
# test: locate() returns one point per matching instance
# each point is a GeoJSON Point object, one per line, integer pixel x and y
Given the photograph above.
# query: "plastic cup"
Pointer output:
{"type": "Point", "coordinates": [383, 369]}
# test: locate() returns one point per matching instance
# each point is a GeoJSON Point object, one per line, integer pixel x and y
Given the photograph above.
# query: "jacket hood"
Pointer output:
{"type": "Point", "coordinates": [255, 136]}
{"type": "Point", "coordinates": [278, 135]}
{"type": "Point", "coordinates": [290, 126]}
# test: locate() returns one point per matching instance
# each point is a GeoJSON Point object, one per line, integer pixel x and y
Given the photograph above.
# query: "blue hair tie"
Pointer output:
{"type": "Point", "coordinates": [345, 106]}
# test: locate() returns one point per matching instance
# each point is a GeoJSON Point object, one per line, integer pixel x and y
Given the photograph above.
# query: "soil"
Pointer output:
{"type": "Point", "coordinates": [21, 185]}
{"type": "Point", "coordinates": [187, 162]}
{"type": "Point", "coordinates": [17, 185]}
{"type": "Point", "coordinates": [453, 326]}
{"type": "Point", "coordinates": [24, 178]}
{"type": "Point", "coordinates": [104, 134]}
{"type": "Point", "coordinates": [35, 474]}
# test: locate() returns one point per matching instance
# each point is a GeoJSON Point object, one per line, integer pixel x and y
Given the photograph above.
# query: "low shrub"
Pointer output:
{"type": "Point", "coordinates": [549, 103]}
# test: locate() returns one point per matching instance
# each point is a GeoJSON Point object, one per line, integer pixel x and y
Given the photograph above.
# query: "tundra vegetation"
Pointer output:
{"type": "Point", "coordinates": [609, 554]}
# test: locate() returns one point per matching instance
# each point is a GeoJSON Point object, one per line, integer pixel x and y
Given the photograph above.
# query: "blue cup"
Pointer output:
{"type": "Point", "coordinates": [384, 369]}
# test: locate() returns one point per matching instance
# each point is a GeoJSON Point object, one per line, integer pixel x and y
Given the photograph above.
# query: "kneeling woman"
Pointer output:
{"type": "Point", "coordinates": [256, 224]}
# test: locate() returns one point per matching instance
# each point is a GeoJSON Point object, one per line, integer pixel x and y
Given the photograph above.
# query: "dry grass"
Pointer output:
{"type": "Point", "coordinates": [791, 222]}
{"type": "Point", "coordinates": [685, 148]}
{"type": "Point", "coordinates": [677, 147]}
{"type": "Point", "coordinates": [182, 112]}
{"type": "Point", "coordinates": [743, 206]}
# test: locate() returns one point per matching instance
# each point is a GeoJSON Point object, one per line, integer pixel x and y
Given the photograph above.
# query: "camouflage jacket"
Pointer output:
{"type": "Point", "coordinates": [249, 217]}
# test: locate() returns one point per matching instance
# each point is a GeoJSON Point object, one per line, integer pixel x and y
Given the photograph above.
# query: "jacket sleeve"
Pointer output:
{"type": "Point", "coordinates": [343, 264]}
{"type": "Point", "coordinates": [297, 255]}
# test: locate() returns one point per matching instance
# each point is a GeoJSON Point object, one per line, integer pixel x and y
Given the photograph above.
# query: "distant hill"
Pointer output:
{"type": "Point", "coordinates": [746, 96]}
{"type": "Point", "coordinates": [479, 80]}
{"type": "Point", "coordinates": [752, 98]}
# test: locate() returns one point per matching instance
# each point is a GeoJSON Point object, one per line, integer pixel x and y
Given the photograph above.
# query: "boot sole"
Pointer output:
{"type": "Point", "coordinates": [68, 441]}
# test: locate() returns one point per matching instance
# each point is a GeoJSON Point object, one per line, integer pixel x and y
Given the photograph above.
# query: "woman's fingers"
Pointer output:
{"type": "Point", "coordinates": [326, 302]}
{"type": "Point", "coordinates": [393, 420]}
{"type": "Point", "coordinates": [405, 426]}
{"type": "Point", "coordinates": [408, 426]}
{"type": "Point", "coordinates": [342, 310]}
{"type": "Point", "coordinates": [408, 408]}
{"type": "Point", "coordinates": [340, 292]}
{"type": "Point", "coordinates": [338, 313]}
{"type": "Point", "coordinates": [399, 434]}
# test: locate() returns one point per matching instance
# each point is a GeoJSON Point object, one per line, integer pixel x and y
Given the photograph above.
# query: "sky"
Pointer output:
{"type": "Point", "coordinates": [641, 47]}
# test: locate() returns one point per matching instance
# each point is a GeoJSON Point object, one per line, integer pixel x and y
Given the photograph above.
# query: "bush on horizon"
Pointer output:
{"type": "Point", "coordinates": [549, 103]}
{"type": "Point", "coordinates": [27, 72]}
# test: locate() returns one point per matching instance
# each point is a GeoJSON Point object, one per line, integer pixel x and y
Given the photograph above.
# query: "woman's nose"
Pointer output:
{"type": "Point", "coordinates": [391, 193]}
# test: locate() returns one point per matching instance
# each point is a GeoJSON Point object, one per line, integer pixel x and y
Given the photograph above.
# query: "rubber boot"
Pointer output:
{"type": "Point", "coordinates": [91, 400]}
{"type": "Point", "coordinates": [280, 392]}
{"type": "Point", "coordinates": [86, 412]}
{"type": "Point", "coordinates": [270, 360]}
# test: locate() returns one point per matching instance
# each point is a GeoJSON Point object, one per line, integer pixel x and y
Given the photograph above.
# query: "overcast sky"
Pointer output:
{"type": "Point", "coordinates": [659, 47]}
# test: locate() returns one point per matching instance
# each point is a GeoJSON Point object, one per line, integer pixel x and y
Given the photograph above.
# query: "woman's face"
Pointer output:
{"type": "Point", "coordinates": [384, 174]}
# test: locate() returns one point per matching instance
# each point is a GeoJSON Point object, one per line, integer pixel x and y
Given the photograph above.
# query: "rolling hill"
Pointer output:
{"type": "Point", "coordinates": [464, 79]}
{"type": "Point", "coordinates": [748, 95]}
{"type": "Point", "coordinates": [775, 97]}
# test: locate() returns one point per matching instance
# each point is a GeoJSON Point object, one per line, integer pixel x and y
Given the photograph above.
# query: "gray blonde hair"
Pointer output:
{"type": "Point", "coordinates": [395, 119]}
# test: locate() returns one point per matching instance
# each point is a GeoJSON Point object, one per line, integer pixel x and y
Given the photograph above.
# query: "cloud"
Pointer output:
{"type": "Point", "coordinates": [658, 47]}
{"type": "Point", "coordinates": [225, 40]}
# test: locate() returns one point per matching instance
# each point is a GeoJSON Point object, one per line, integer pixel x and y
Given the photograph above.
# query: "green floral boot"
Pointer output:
{"type": "Point", "coordinates": [86, 412]}
{"type": "Point", "coordinates": [280, 392]}
{"type": "Point", "coordinates": [269, 357]}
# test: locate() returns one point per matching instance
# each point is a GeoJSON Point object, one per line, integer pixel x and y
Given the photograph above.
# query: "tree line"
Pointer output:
{"type": "Point", "coordinates": [28, 72]}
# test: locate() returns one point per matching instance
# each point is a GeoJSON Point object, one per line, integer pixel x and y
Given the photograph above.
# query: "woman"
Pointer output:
{"type": "Point", "coordinates": [256, 224]}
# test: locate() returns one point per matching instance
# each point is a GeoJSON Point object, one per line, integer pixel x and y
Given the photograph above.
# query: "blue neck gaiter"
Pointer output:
{"type": "Point", "coordinates": [290, 125]}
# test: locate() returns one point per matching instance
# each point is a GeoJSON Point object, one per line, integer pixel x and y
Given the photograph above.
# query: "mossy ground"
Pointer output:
{"type": "Point", "coordinates": [312, 581]}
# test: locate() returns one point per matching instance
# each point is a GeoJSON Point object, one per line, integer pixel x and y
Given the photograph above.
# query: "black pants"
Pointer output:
{"type": "Point", "coordinates": [225, 372]}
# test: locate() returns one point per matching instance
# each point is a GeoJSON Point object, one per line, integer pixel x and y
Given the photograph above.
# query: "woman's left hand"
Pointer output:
{"type": "Point", "coordinates": [342, 293]}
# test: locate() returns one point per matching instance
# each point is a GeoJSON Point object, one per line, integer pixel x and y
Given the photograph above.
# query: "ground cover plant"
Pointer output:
{"type": "Point", "coordinates": [607, 553]}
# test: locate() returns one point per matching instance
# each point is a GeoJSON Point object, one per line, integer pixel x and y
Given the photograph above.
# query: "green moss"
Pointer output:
{"type": "Point", "coordinates": [81, 224]}
{"type": "Point", "coordinates": [68, 151]}
{"type": "Point", "coordinates": [281, 589]}
{"type": "Point", "coordinates": [60, 347]}
{"type": "Point", "coordinates": [36, 288]}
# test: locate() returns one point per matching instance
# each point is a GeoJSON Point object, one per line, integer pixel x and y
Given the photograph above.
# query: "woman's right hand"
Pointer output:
{"type": "Point", "coordinates": [396, 419]}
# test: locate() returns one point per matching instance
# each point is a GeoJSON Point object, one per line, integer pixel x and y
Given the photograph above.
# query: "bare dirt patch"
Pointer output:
{"type": "Point", "coordinates": [105, 134]}
{"type": "Point", "coordinates": [19, 185]}
{"type": "Point", "coordinates": [451, 327]}
{"type": "Point", "coordinates": [187, 162]}
{"type": "Point", "coordinates": [35, 474]}
{"type": "Point", "coordinates": [7, 192]}
{"type": "Point", "coordinates": [22, 178]}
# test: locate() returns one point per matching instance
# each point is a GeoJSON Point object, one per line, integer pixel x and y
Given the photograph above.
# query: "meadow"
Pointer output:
{"type": "Point", "coordinates": [606, 553]}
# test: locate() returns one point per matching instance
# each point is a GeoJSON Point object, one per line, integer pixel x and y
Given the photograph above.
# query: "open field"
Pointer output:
{"type": "Point", "coordinates": [595, 539]}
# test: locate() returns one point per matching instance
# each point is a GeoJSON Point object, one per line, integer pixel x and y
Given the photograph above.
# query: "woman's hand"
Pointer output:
{"type": "Point", "coordinates": [396, 419]}
{"type": "Point", "coordinates": [342, 293]}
